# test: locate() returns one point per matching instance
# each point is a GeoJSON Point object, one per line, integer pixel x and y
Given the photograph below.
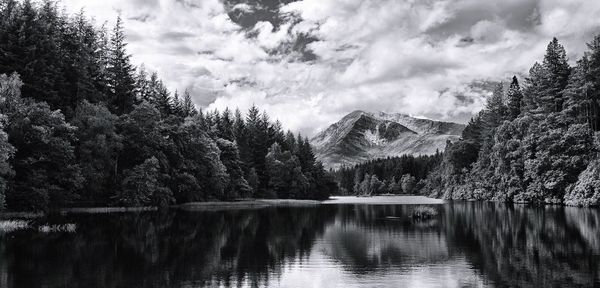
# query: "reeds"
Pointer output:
{"type": "Point", "coordinates": [7, 226]}
{"type": "Point", "coordinates": [424, 212]}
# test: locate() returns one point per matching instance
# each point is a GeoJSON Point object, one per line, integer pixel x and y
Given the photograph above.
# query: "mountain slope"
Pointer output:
{"type": "Point", "coordinates": [361, 136]}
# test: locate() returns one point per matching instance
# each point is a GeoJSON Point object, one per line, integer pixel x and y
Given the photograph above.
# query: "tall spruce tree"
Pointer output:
{"type": "Point", "coordinates": [188, 108]}
{"type": "Point", "coordinates": [534, 88]}
{"type": "Point", "coordinates": [592, 85]}
{"type": "Point", "coordinates": [558, 70]}
{"type": "Point", "coordinates": [120, 73]}
{"type": "Point", "coordinates": [515, 99]}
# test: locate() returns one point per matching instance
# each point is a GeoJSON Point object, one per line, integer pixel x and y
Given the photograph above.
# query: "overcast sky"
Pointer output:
{"type": "Point", "coordinates": [308, 63]}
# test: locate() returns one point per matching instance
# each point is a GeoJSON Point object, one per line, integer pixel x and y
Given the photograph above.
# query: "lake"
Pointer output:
{"type": "Point", "coordinates": [349, 242]}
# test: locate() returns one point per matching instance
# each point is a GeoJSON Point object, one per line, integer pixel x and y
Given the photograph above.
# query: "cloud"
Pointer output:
{"type": "Point", "coordinates": [310, 62]}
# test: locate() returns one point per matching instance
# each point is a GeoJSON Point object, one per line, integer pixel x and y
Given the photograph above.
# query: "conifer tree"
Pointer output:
{"type": "Point", "coordinates": [226, 125]}
{"type": "Point", "coordinates": [120, 72]}
{"type": "Point", "coordinates": [515, 99]}
{"type": "Point", "coordinates": [162, 100]}
{"type": "Point", "coordinates": [495, 111]}
{"type": "Point", "coordinates": [558, 70]}
{"type": "Point", "coordinates": [188, 108]}
{"type": "Point", "coordinates": [592, 84]}
{"type": "Point", "coordinates": [534, 89]}
{"type": "Point", "coordinates": [177, 107]}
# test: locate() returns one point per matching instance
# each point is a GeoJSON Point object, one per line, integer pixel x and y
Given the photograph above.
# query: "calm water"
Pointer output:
{"type": "Point", "coordinates": [345, 245]}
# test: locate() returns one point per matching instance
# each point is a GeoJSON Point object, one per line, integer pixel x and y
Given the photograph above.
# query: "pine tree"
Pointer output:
{"type": "Point", "coordinates": [257, 143]}
{"type": "Point", "coordinates": [120, 73]}
{"type": "Point", "coordinates": [534, 89]}
{"type": "Point", "coordinates": [495, 110]}
{"type": "Point", "coordinates": [177, 107]}
{"type": "Point", "coordinates": [592, 85]}
{"type": "Point", "coordinates": [557, 66]}
{"type": "Point", "coordinates": [142, 85]}
{"type": "Point", "coordinates": [290, 142]}
{"type": "Point", "coordinates": [579, 103]}
{"type": "Point", "coordinates": [515, 99]}
{"type": "Point", "coordinates": [163, 101]}
{"type": "Point", "coordinates": [225, 127]}
{"type": "Point", "coordinates": [188, 108]}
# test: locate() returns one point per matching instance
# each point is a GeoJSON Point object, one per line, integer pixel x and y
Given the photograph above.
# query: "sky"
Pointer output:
{"type": "Point", "coordinates": [310, 62]}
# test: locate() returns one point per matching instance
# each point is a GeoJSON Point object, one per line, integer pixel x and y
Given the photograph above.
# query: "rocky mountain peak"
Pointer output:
{"type": "Point", "coordinates": [361, 136]}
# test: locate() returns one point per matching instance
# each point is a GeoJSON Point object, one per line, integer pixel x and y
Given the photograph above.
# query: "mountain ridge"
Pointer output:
{"type": "Point", "coordinates": [360, 136]}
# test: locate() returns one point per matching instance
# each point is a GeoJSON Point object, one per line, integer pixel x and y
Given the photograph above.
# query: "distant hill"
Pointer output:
{"type": "Point", "coordinates": [361, 136]}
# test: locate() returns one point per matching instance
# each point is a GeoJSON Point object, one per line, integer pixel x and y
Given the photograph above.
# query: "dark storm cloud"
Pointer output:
{"type": "Point", "coordinates": [247, 13]}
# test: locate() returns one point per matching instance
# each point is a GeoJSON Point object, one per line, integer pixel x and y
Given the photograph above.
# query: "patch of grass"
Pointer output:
{"type": "Point", "coordinates": [7, 226]}
{"type": "Point", "coordinates": [424, 213]}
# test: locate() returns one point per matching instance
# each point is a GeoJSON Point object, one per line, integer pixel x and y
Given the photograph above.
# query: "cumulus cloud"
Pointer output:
{"type": "Point", "coordinates": [310, 62]}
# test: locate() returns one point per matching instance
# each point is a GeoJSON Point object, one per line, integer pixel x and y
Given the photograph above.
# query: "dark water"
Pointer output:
{"type": "Point", "coordinates": [467, 245]}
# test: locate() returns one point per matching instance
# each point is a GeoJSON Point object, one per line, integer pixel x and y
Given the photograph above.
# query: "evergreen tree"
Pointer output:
{"type": "Point", "coordinates": [495, 111]}
{"type": "Point", "coordinates": [120, 73]}
{"type": "Point", "coordinates": [162, 100]}
{"type": "Point", "coordinates": [188, 108]}
{"type": "Point", "coordinates": [557, 67]}
{"type": "Point", "coordinates": [177, 107]}
{"type": "Point", "coordinates": [225, 127]}
{"type": "Point", "coordinates": [515, 99]}
{"type": "Point", "coordinates": [534, 89]}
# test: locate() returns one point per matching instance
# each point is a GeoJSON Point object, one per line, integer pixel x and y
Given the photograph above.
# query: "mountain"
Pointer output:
{"type": "Point", "coordinates": [362, 136]}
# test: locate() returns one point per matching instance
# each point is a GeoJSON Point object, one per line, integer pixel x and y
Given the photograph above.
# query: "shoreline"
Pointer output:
{"type": "Point", "coordinates": [241, 204]}
{"type": "Point", "coordinates": [257, 204]}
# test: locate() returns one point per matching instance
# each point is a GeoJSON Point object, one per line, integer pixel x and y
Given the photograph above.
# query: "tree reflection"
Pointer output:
{"type": "Point", "coordinates": [508, 245]}
{"type": "Point", "coordinates": [519, 246]}
{"type": "Point", "coordinates": [158, 250]}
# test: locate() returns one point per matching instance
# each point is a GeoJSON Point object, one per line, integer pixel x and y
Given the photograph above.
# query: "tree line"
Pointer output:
{"type": "Point", "coordinates": [391, 175]}
{"type": "Point", "coordinates": [82, 126]}
{"type": "Point", "coordinates": [535, 143]}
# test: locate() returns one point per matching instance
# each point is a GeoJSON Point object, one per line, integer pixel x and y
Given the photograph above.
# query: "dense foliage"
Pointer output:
{"type": "Point", "coordinates": [392, 175]}
{"type": "Point", "coordinates": [82, 126]}
{"type": "Point", "coordinates": [535, 144]}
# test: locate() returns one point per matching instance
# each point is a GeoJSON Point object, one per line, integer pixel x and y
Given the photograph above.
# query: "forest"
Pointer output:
{"type": "Point", "coordinates": [392, 175]}
{"type": "Point", "coordinates": [535, 143]}
{"type": "Point", "coordinates": [81, 126]}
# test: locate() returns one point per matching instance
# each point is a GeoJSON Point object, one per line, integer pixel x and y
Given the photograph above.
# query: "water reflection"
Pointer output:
{"type": "Point", "coordinates": [468, 244]}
